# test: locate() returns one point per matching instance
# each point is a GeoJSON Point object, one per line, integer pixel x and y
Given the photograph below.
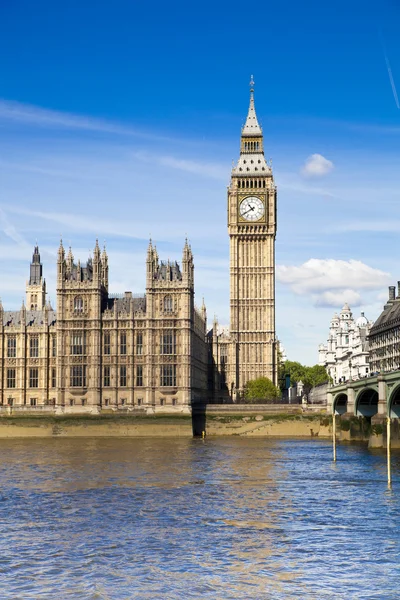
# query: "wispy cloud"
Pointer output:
{"type": "Point", "coordinates": [213, 170]}
{"type": "Point", "coordinates": [42, 117]}
{"type": "Point", "coordinates": [389, 70]}
{"type": "Point", "coordinates": [10, 230]}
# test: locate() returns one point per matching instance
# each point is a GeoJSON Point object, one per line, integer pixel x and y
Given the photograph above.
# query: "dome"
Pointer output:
{"type": "Point", "coordinates": [362, 321]}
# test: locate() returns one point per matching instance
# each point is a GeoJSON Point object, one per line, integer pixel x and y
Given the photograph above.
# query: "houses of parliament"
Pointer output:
{"type": "Point", "coordinates": [151, 352]}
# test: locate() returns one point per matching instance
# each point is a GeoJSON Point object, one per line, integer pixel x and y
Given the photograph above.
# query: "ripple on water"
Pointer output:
{"type": "Point", "coordinates": [230, 518]}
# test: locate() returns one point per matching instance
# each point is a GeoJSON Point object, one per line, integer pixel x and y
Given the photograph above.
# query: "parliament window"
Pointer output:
{"type": "Point", "coordinates": [33, 378]}
{"type": "Point", "coordinates": [53, 346]}
{"type": "Point", "coordinates": [107, 343]}
{"type": "Point", "coordinates": [122, 343]}
{"type": "Point", "coordinates": [122, 376]}
{"type": "Point", "coordinates": [78, 304]}
{"type": "Point", "coordinates": [78, 376]}
{"type": "Point", "coordinates": [168, 343]}
{"type": "Point", "coordinates": [12, 346]}
{"type": "Point", "coordinates": [78, 343]}
{"type": "Point", "coordinates": [11, 378]}
{"type": "Point", "coordinates": [139, 343]}
{"type": "Point", "coordinates": [53, 377]}
{"type": "Point", "coordinates": [106, 378]}
{"type": "Point", "coordinates": [168, 375]}
{"type": "Point", "coordinates": [168, 304]}
{"type": "Point", "coordinates": [33, 346]}
{"type": "Point", "coordinates": [139, 375]}
{"type": "Point", "coordinates": [33, 401]}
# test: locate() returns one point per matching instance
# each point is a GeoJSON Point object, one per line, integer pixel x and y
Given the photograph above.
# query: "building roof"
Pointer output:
{"type": "Point", "coordinates": [251, 127]}
{"type": "Point", "coordinates": [388, 317]}
{"type": "Point", "coordinates": [32, 317]}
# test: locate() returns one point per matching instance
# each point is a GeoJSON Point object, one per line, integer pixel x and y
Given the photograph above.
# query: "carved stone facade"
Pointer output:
{"type": "Point", "coordinates": [249, 350]}
{"type": "Point", "coordinates": [345, 356]}
{"type": "Point", "coordinates": [100, 350]}
{"type": "Point", "coordinates": [384, 337]}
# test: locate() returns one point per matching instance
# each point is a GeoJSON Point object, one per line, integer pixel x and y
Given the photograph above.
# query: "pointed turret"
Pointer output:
{"type": "Point", "coordinates": [252, 161]}
{"type": "Point", "coordinates": [104, 266]}
{"type": "Point", "coordinates": [251, 127]}
{"type": "Point", "coordinates": [187, 262]}
{"type": "Point", "coordinates": [96, 252]}
{"type": "Point", "coordinates": [36, 285]}
{"type": "Point", "coordinates": [151, 263]}
{"type": "Point", "coordinates": [70, 259]}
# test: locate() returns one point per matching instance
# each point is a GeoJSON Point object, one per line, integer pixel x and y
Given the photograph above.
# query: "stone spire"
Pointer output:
{"type": "Point", "coordinates": [96, 252]}
{"type": "Point", "coordinates": [251, 127]}
{"type": "Point", "coordinates": [61, 251]}
{"type": "Point", "coordinates": [252, 160]}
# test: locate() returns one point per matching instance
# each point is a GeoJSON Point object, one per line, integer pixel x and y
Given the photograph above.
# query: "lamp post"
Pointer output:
{"type": "Point", "coordinates": [388, 442]}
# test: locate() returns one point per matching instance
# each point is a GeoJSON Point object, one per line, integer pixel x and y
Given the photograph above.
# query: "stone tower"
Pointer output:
{"type": "Point", "coordinates": [36, 286]}
{"type": "Point", "coordinates": [81, 295]}
{"type": "Point", "coordinates": [252, 231]}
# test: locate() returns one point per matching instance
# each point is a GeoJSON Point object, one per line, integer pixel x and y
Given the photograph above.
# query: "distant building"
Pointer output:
{"type": "Point", "coordinates": [346, 354]}
{"type": "Point", "coordinates": [384, 337]}
{"type": "Point", "coordinates": [102, 350]}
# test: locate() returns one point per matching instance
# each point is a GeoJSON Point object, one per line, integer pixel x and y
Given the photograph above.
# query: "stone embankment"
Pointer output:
{"type": "Point", "coordinates": [255, 421]}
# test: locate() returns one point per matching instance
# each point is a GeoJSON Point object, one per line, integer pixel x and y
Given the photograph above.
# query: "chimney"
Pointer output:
{"type": "Point", "coordinates": [392, 293]}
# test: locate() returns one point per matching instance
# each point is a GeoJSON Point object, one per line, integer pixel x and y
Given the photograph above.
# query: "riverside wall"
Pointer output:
{"type": "Point", "coordinates": [262, 421]}
{"type": "Point", "coordinates": [252, 421]}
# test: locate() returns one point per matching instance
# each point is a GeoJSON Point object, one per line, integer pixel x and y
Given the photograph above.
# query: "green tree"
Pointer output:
{"type": "Point", "coordinates": [261, 389]}
{"type": "Point", "coordinates": [310, 376]}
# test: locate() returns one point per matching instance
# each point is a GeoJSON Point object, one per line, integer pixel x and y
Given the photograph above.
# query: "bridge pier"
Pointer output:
{"type": "Point", "coordinates": [351, 401]}
{"type": "Point", "coordinates": [382, 397]}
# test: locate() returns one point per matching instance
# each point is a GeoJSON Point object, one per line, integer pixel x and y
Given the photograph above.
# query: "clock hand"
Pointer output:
{"type": "Point", "coordinates": [251, 208]}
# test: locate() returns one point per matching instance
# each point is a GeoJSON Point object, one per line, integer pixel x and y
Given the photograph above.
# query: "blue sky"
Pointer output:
{"type": "Point", "coordinates": [120, 120]}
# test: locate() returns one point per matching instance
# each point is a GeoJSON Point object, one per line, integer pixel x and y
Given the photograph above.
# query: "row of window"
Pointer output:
{"type": "Point", "coordinates": [78, 344]}
{"type": "Point", "coordinates": [78, 376]}
{"type": "Point", "coordinates": [167, 376]}
{"type": "Point", "coordinates": [34, 401]}
{"type": "Point", "coordinates": [33, 346]}
{"type": "Point", "coordinates": [33, 379]}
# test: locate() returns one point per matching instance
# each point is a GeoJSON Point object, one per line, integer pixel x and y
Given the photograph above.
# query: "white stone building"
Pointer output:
{"type": "Point", "coordinates": [346, 354]}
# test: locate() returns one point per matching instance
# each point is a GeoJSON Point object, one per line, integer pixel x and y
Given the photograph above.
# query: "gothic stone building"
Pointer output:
{"type": "Point", "coordinates": [100, 350]}
{"type": "Point", "coordinates": [384, 337]}
{"type": "Point", "coordinates": [249, 350]}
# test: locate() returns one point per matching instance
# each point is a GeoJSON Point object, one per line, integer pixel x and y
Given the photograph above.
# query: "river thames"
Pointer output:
{"type": "Point", "coordinates": [186, 518]}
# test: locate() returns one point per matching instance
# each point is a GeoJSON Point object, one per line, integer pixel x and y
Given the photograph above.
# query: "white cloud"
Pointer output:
{"type": "Point", "coordinates": [42, 117]}
{"type": "Point", "coordinates": [332, 282]}
{"type": "Point", "coordinates": [338, 298]}
{"type": "Point", "coordinates": [317, 165]}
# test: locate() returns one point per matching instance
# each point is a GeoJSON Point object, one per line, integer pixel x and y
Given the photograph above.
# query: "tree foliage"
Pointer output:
{"type": "Point", "coordinates": [261, 389]}
{"type": "Point", "coordinates": [310, 376]}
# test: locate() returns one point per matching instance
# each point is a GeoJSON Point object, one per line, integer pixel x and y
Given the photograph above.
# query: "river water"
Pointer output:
{"type": "Point", "coordinates": [182, 518]}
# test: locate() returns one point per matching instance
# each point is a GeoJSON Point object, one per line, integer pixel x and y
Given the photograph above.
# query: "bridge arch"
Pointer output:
{"type": "Point", "coordinates": [394, 403]}
{"type": "Point", "coordinates": [366, 403]}
{"type": "Point", "coordinates": [340, 404]}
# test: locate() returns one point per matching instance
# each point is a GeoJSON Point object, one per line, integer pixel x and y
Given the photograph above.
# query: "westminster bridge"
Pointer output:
{"type": "Point", "coordinates": [377, 395]}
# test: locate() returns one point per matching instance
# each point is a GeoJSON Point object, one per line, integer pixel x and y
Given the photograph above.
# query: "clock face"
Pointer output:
{"type": "Point", "coordinates": [251, 208]}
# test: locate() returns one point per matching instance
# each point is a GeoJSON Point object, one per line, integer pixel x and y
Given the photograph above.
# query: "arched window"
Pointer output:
{"type": "Point", "coordinates": [78, 304]}
{"type": "Point", "coordinates": [168, 305]}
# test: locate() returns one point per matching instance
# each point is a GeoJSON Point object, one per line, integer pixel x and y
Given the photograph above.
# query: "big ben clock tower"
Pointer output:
{"type": "Point", "coordinates": [252, 231]}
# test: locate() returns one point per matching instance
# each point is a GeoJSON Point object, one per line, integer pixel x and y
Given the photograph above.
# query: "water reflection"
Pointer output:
{"type": "Point", "coordinates": [224, 518]}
